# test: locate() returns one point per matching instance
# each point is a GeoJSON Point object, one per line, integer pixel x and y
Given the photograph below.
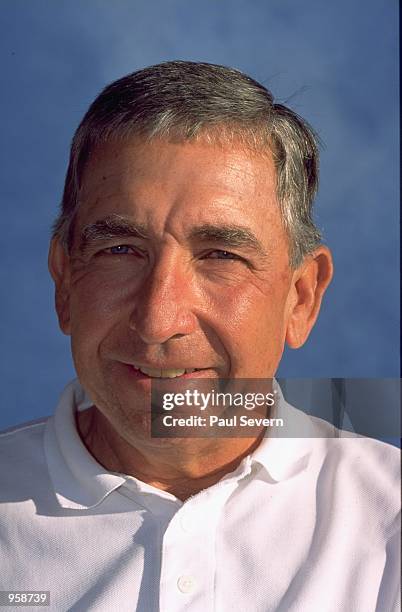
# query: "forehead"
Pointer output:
{"type": "Point", "coordinates": [160, 181]}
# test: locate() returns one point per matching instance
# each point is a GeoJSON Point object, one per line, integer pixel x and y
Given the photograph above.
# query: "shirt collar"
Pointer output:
{"type": "Point", "coordinates": [285, 451]}
{"type": "Point", "coordinates": [79, 481]}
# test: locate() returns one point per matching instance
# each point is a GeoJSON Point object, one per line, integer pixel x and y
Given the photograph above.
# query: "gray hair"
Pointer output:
{"type": "Point", "coordinates": [188, 101]}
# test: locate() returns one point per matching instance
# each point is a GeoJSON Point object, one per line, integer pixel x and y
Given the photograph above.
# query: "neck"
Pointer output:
{"type": "Point", "coordinates": [181, 466]}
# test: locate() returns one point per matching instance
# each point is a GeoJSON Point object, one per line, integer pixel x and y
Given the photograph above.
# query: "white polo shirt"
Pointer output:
{"type": "Point", "coordinates": [304, 524]}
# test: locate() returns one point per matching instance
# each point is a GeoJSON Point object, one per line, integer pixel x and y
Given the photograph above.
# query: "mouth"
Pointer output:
{"type": "Point", "coordinates": [166, 373]}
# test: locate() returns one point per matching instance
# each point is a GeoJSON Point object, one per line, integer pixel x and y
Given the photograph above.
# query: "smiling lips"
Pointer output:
{"type": "Point", "coordinates": [164, 373]}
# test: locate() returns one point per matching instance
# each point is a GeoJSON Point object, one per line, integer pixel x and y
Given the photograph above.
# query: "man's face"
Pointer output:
{"type": "Point", "coordinates": [179, 261]}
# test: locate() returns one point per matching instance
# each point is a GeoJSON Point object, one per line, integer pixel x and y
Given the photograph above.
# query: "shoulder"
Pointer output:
{"type": "Point", "coordinates": [24, 443]}
{"type": "Point", "coordinates": [22, 436]}
{"type": "Point", "coordinates": [357, 472]}
{"type": "Point", "coordinates": [22, 432]}
{"type": "Point", "coordinates": [22, 456]}
{"type": "Point", "coordinates": [367, 454]}
{"type": "Point", "coordinates": [353, 475]}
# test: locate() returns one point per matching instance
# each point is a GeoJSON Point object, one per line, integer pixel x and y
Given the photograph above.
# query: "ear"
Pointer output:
{"type": "Point", "coordinates": [59, 268]}
{"type": "Point", "coordinates": [309, 283]}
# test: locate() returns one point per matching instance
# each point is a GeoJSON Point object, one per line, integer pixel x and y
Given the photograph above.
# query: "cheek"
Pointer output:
{"type": "Point", "coordinates": [96, 306]}
{"type": "Point", "coordinates": [98, 295]}
{"type": "Point", "coordinates": [251, 321]}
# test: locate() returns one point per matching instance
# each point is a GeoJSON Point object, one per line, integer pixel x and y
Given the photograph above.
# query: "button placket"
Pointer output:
{"type": "Point", "coordinates": [188, 554]}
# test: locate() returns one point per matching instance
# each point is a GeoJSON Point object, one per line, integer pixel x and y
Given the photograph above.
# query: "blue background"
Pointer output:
{"type": "Point", "coordinates": [334, 62]}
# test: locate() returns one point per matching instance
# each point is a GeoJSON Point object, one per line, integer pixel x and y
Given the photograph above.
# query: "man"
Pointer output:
{"type": "Point", "coordinates": [186, 249]}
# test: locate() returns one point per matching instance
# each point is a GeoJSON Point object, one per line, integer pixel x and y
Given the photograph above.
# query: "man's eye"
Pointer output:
{"type": "Point", "coordinates": [120, 249]}
{"type": "Point", "coordinates": [218, 254]}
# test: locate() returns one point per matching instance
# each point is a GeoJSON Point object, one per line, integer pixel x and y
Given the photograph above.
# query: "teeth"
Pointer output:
{"type": "Point", "coordinates": [158, 373]}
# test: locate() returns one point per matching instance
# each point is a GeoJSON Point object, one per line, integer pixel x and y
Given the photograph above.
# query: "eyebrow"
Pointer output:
{"type": "Point", "coordinates": [116, 226]}
{"type": "Point", "coordinates": [113, 226]}
{"type": "Point", "coordinates": [231, 236]}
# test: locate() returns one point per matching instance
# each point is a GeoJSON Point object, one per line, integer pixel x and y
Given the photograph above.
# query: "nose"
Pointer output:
{"type": "Point", "coordinates": [164, 304]}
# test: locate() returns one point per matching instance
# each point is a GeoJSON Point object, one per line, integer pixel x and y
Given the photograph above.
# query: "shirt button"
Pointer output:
{"type": "Point", "coordinates": [186, 584]}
